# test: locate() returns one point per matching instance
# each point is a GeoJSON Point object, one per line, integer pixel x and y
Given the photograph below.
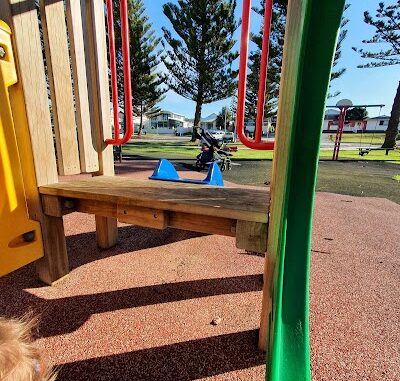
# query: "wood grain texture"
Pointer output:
{"type": "Point", "coordinates": [251, 236]}
{"type": "Point", "coordinates": [59, 74]}
{"type": "Point", "coordinates": [97, 75]}
{"type": "Point", "coordinates": [234, 203]}
{"type": "Point", "coordinates": [99, 102]}
{"type": "Point", "coordinates": [86, 134]}
{"type": "Point", "coordinates": [54, 265]}
{"type": "Point", "coordinates": [282, 152]}
{"type": "Point", "coordinates": [106, 232]}
{"type": "Point", "coordinates": [22, 17]}
{"type": "Point", "coordinates": [148, 217]}
{"type": "Point", "coordinates": [202, 224]}
{"type": "Point", "coordinates": [52, 206]}
{"type": "Point", "coordinates": [56, 206]}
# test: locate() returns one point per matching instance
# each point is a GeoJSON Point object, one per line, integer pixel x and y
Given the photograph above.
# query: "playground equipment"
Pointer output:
{"type": "Point", "coordinates": [257, 143]}
{"type": "Point", "coordinates": [165, 171]}
{"type": "Point", "coordinates": [343, 105]}
{"type": "Point", "coordinates": [81, 133]}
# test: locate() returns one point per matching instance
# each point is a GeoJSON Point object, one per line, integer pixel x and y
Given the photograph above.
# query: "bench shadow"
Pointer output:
{"type": "Point", "coordinates": [190, 360]}
{"type": "Point", "coordinates": [66, 315]}
{"type": "Point", "coordinates": [82, 248]}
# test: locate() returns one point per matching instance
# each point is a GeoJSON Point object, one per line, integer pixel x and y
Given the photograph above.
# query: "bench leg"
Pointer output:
{"type": "Point", "coordinates": [106, 232]}
{"type": "Point", "coordinates": [54, 265]}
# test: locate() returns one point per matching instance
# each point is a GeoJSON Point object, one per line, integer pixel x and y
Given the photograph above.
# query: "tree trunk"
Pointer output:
{"type": "Point", "coordinates": [393, 127]}
{"type": "Point", "coordinates": [141, 121]}
{"type": "Point", "coordinates": [197, 117]}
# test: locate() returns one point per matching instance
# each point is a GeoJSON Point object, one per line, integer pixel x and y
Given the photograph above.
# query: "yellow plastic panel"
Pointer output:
{"type": "Point", "coordinates": [20, 237]}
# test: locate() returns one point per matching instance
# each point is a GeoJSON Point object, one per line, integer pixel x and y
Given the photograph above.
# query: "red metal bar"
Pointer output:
{"type": "Point", "coordinates": [127, 73]}
{"type": "Point", "coordinates": [339, 132]}
{"type": "Point", "coordinates": [257, 143]}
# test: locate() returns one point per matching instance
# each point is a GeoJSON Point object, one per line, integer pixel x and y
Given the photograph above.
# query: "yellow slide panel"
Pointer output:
{"type": "Point", "coordinates": [20, 237]}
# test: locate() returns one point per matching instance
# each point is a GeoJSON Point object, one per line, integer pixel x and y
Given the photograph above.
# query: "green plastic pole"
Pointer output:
{"type": "Point", "coordinates": [314, 26]}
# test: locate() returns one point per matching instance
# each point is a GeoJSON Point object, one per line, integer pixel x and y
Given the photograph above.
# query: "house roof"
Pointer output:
{"type": "Point", "coordinates": [170, 112]}
{"type": "Point", "coordinates": [380, 117]}
{"type": "Point", "coordinates": [210, 118]}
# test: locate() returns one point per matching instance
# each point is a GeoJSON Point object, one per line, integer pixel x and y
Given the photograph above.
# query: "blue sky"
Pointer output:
{"type": "Point", "coordinates": [362, 86]}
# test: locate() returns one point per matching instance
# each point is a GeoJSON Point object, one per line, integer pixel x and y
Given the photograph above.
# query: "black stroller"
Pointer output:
{"type": "Point", "coordinates": [211, 152]}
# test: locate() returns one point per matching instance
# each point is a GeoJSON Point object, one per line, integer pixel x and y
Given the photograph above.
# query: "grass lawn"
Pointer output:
{"type": "Point", "coordinates": [189, 150]}
{"type": "Point", "coordinates": [363, 179]}
{"type": "Point", "coordinates": [362, 139]}
{"type": "Point", "coordinates": [394, 156]}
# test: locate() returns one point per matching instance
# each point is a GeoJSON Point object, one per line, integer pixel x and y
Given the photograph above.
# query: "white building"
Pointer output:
{"type": "Point", "coordinates": [172, 123]}
{"type": "Point", "coordinates": [378, 123]}
{"type": "Point", "coordinates": [209, 122]}
{"type": "Point", "coordinates": [167, 122]}
{"type": "Point", "coordinates": [374, 124]}
{"type": "Point", "coordinates": [136, 120]}
{"type": "Point", "coordinates": [250, 125]}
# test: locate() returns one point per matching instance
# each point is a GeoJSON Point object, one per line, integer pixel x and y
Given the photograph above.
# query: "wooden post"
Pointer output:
{"type": "Point", "coordinates": [311, 31]}
{"type": "Point", "coordinates": [99, 98]}
{"type": "Point", "coordinates": [29, 103]}
{"type": "Point", "coordinates": [59, 75]}
{"type": "Point", "coordinates": [86, 131]}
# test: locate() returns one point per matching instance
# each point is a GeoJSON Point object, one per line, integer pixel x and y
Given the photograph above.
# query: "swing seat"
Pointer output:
{"type": "Point", "coordinates": [365, 151]}
{"type": "Point", "coordinates": [165, 171]}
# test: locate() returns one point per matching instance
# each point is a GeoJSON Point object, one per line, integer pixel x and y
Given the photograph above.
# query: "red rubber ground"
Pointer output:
{"type": "Point", "coordinates": [142, 311]}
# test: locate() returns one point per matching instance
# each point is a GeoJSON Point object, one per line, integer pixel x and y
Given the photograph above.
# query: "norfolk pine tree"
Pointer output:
{"type": "Point", "coordinates": [387, 32]}
{"type": "Point", "coordinates": [337, 73]}
{"type": "Point", "coordinates": [199, 59]}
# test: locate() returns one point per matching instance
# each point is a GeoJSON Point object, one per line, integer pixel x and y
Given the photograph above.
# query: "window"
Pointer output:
{"type": "Point", "coordinates": [164, 116]}
{"type": "Point", "coordinates": [381, 122]}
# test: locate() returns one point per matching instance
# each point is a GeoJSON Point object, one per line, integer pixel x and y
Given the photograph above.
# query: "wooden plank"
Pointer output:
{"type": "Point", "coordinates": [97, 75]}
{"type": "Point", "coordinates": [31, 90]}
{"type": "Point", "coordinates": [202, 224]}
{"type": "Point", "coordinates": [289, 71]}
{"type": "Point", "coordinates": [52, 205]}
{"type": "Point", "coordinates": [59, 74]}
{"type": "Point", "coordinates": [100, 208]}
{"type": "Point", "coordinates": [54, 265]}
{"type": "Point", "coordinates": [99, 98]}
{"type": "Point", "coordinates": [234, 203]}
{"type": "Point", "coordinates": [57, 206]}
{"type": "Point", "coordinates": [152, 218]}
{"type": "Point", "coordinates": [86, 135]}
{"type": "Point", "coordinates": [251, 236]}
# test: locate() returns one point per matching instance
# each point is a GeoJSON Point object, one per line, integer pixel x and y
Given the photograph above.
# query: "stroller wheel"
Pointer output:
{"type": "Point", "coordinates": [199, 165]}
{"type": "Point", "coordinates": [223, 166]}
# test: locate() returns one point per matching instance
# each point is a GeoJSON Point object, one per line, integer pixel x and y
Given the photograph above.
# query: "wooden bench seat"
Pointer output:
{"type": "Point", "coordinates": [237, 212]}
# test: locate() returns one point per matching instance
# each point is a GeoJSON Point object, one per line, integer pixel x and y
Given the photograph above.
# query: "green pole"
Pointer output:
{"type": "Point", "coordinates": [311, 34]}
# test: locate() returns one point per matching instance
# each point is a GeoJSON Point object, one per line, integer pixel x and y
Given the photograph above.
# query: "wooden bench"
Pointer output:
{"type": "Point", "coordinates": [236, 212]}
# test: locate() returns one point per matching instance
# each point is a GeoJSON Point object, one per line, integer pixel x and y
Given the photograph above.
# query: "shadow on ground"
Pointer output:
{"type": "Point", "coordinates": [190, 360]}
